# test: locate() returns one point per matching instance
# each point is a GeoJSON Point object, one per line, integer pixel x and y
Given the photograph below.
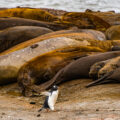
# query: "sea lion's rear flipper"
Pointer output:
{"type": "Point", "coordinates": [100, 80]}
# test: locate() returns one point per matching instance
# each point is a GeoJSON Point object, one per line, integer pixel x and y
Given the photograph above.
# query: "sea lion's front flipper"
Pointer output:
{"type": "Point", "coordinates": [100, 80]}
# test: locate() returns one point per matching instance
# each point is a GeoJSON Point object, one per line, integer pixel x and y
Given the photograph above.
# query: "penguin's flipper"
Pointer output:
{"type": "Point", "coordinates": [100, 80]}
{"type": "Point", "coordinates": [45, 93]}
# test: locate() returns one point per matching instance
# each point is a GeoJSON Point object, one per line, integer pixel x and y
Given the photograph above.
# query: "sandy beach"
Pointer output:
{"type": "Point", "coordinates": [75, 102]}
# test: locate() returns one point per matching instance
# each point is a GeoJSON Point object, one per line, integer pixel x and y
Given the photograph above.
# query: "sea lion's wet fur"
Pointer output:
{"type": "Point", "coordinates": [44, 67]}
{"type": "Point", "coordinates": [78, 69]}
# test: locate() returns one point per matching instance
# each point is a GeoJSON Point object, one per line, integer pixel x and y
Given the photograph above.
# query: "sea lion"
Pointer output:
{"type": "Point", "coordinates": [109, 66]}
{"type": "Point", "coordinates": [110, 77]}
{"type": "Point", "coordinates": [115, 48]}
{"type": "Point", "coordinates": [85, 20]}
{"type": "Point", "coordinates": [109, 16]}
{"type": "Point", "coordinates": [113, 33]}
{"type": "Point", "coordinates": [95, 68]}
{"type": "Point", "coordinates": [78, 68]}
{"type": "Point", "coordinates": [77, 34]}
{"type": "Point", "coordinates": [35, 14]}
{"type": "Point", "coordinates": [16, 59]}
{"type": "Point", "coordinates": [44, 67]}
{"type": "Point", "coordinates": [15, 35]}
{"type": "Point", "coordinates": [7, 22]}
{"type": "Point", "coordinates": [99, 69]}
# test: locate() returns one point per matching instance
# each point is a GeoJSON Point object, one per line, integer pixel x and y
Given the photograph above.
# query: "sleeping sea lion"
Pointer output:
{"type": "Point", "coordinates": [95, 68]}
{"type": "Point", "coordinates": [29, 13]}
{"type": "Point", "coordinates": [110, 65]}
{"type": "Point", "coordinates": [7, 22]}
{"type": "Point", "coordinates": [78, 68]}
{"type": "Point", "coordinates": [44, 67]}
{"type": "Point", "coordinates": [11, 63]}
{"type": "Point", "coordinates": [113, 33]}
{"type": "Point", "coordinates": [15, 35]}
{"type": "Point", "coordinates": [111, 77]}
{"type": "Point", "coordinates": [115, 48]}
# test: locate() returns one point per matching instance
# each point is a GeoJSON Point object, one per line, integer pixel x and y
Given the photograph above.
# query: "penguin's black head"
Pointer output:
{"type": "Point", "coordinates": [54, 88]}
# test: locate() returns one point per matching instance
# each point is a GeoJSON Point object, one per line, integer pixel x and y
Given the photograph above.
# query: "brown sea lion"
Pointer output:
{"type": "Point", "coordinates": [85, 20]}
{"type": "Point", "coordinates": [55, 12]}
{"type": "Point", "coordinates": [95, 68]}
{"type": "Point", "coordinates": [35, 14]}
{"type": "Point", "coordinates": [77, 34]}
{"type": "Point", "coordinates": [111, 17]}
{"type": "Point", "coordinates": [115, 48]}
{"type": "Point", "coordinates": [110, 65]}
{"type": "Point", "coordinates": [44, 67]}
{"type": "Point", "coordinates": [16, 59]}
{"type": "Point", "coordinates": [78, 68]}
{"type": "Point", "coordinates": [113, 33]}
{"type": "Point", "coordinates": [110, 77]}
{"type": "Point", "coordinates": [7, 22]}
{"type": "Point", "coordinates": [15, 35]}
{"type": "Point", "coordinates": [101, 68]}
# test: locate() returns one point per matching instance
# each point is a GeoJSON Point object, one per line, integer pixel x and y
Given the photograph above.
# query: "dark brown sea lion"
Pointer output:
{"type": "Point", "coordinates": [7, 22]}
{"type": "Point", "coordinates": [15, 35]}
{"type": "Point", "coordinates": [78, 68]}
{"type": "Point", "coordinates": [44, 67]}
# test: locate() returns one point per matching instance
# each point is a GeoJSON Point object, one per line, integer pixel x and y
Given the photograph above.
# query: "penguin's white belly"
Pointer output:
{"type": "Point", "coordinates": [52, 99]}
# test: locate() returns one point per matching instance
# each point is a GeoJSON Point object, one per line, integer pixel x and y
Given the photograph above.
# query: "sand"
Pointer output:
{"type": "Point", "coordinates": [75, 102]}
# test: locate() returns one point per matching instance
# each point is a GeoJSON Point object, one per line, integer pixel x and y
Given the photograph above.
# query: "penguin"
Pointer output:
{"type": "Point", "coordinates": [51, 98]}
